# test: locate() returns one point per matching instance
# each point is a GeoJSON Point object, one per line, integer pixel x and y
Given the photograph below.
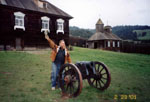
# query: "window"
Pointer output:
{"type": "Point", "coordinates": [19, 20]}
{"type": "Point", "coordinates": [113, 43]}
{"type": "Point", "coordinates": [44, 5]}
{"type": "Point", "coordinates": [108, 43]}
{"type": "Point", "coordinates": [60, 26]}
{"type": "Point", "coordinates": [118, 44]}
{"type": "Point", "coordinates": [45, 24]}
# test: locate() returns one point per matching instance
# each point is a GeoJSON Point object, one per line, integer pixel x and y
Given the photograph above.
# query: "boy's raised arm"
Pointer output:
{"type": "Point", "coordinates": [51, 43]}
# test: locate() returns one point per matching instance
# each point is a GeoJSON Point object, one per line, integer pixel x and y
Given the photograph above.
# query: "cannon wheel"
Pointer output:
{"type": "Point", "coordinates": [70, 80]}
{"type": "Point", "coordinates": [101, 80]}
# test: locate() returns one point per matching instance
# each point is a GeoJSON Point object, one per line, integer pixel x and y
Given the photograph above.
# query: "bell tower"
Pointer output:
{"type": "Point", "coordinates": [99, 26]}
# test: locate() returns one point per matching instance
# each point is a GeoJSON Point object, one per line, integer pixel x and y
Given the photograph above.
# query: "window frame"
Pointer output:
{"type": "Point", "coordinates": [60, 22]}
{"type": "Point", "coordinates": [108, 43]}
{"type": "Point", "coordinates": [19, 16]}
{"type": "Point", "coordinates": [118, 43]}
{"type": "Point", "coordinates": [113, 43]}
{"type": "Point", "coordinates": [45, 21]}
{"type": "Point", "coordinates": [44, 5]}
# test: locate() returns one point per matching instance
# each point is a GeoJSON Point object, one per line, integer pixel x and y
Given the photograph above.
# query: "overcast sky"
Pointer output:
{"type": "Point", "coordinates": [111, 12]}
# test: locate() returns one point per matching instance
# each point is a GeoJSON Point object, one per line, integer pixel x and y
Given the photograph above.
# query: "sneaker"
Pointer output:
{"type": "Point", "coordinates": [53, 88]}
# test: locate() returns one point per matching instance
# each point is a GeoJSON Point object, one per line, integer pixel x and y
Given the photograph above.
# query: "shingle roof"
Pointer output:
{"type": "Point", "coordinates": [31, 5]}
{"type": "Point", "coordinates": [99, 21]}
{"type": "Point", "coordinates": [103, 36]}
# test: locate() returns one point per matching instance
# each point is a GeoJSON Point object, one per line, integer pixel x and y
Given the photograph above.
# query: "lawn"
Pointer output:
{"type": "Point", "coordinates": [25, 77]}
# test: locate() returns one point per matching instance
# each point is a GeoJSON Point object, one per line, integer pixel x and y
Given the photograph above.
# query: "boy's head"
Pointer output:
{"type": "Point", "coordinates": [62, 44]}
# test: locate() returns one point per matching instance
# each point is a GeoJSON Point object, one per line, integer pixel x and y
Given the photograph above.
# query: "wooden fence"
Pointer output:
{"type": "Point", "coordinates": [131, 47]}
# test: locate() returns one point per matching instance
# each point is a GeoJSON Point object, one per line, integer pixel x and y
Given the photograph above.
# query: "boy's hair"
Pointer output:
{"type": "Point", "coordinates": [61, 41]}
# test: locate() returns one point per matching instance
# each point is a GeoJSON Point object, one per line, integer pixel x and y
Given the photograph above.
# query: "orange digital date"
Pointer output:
{"type": "Point", "coordinates": [125, 97]}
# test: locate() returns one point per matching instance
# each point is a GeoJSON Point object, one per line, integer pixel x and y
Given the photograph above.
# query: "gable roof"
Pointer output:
{"type": "Point", "coordinates": [31, 5]}
{"type": "Point", "coordinates": [103, 36]}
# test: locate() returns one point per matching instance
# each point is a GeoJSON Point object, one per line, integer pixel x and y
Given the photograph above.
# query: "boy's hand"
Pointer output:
{"type": "Point", "coordinates": [46, 36]}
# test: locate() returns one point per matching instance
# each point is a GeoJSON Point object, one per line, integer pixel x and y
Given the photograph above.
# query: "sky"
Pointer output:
{"type": "Point", "coordinates": [112, 12]}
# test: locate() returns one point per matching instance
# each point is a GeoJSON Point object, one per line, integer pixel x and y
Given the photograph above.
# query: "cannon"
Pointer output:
{"type": "Point", "coordinates": [71, 77]}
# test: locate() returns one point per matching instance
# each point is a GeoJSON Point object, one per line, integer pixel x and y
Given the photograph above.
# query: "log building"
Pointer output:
{"type": "Point", "coordinates": [104, 38]}
{"type": "Point", "coordinates": [23, 22]}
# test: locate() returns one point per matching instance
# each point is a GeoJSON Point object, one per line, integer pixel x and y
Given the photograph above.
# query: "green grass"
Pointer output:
{"type": "Point", "coordinates": [139, 34]}
{"type": "Point", "coordinates": [25, 77]}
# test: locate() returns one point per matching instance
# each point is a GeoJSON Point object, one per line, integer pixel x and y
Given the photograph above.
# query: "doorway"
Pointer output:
{"type": "Point", "coordinates": [95, 45]}
{"type": "Point", "coordinates": [18, 44]}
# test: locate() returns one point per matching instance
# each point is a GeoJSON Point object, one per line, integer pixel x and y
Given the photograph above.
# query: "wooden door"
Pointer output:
{"type": "Point", "coordinates": [95, 45]}
{"type": "Point", "coordinates": [18, 44]}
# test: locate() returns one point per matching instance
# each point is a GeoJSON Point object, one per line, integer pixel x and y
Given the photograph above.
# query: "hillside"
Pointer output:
{"type": "Point", "coordinates": [25, 77]}
{"type": "Point", "coordinates": [143, 34]}
{"type": "Point", "coordinates": [124, 32]}
{"type": "Point", "coordinates": [80, 32]}
{"type": "Point", "coordinates": [127, 32]}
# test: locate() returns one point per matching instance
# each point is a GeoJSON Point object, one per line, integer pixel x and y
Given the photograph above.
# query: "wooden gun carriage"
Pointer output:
{"type": "Point", "coordinates": [71, 77]}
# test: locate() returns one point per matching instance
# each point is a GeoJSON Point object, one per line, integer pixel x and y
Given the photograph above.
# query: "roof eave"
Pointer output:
{"type": "Point", "coordinates": [68, 17]}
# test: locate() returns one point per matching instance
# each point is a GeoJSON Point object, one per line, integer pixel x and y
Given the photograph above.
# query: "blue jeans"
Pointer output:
{"type": "Point", "coordinates": [55, 72]}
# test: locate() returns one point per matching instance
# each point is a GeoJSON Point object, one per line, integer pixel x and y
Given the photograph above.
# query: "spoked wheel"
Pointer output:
{"type": "Point", "coordinates": [100, 80]}
{"type": "Point", "coordinates": [70, 80]}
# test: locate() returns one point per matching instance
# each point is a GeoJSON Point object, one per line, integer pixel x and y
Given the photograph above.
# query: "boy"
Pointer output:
{"type": "Point", "coordinates": [59, 56]}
